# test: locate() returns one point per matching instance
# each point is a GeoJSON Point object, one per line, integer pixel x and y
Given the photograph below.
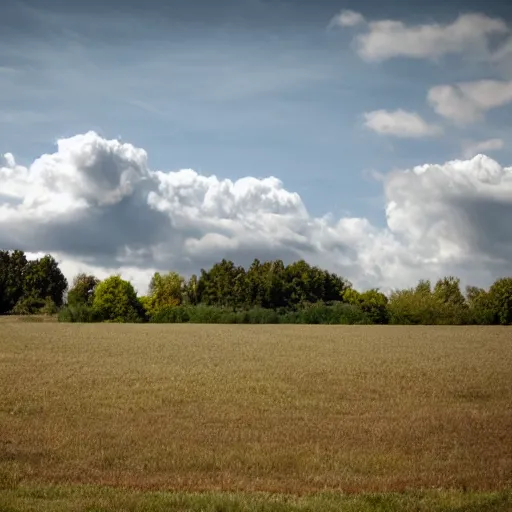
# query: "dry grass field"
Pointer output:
{"type": "Point", "coordinates": [280, 409]}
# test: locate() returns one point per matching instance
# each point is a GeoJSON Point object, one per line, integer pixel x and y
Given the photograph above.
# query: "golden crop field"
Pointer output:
{"type": "Point", "coordinates": [293, 410]}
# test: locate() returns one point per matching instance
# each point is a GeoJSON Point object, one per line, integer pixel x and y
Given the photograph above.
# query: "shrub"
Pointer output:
{"type": "Point", "coordinates": [350, 314]}
{"type": "Point", "coordinates": [171, 315]}
{"type": "Point", "coordinates": [28, 306]}
{"type": "Point", "coordinates": [80, 313]}
{"type": "Point", "coordinates": [49, 308]}
{"type": "Point", "coordinates": [259, 316]}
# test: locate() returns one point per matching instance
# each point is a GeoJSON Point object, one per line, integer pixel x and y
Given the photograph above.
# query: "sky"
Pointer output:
{"type": "Point", "coordinates": [369, 138]}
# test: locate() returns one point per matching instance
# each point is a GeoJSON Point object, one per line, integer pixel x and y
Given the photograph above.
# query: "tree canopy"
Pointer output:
{"type": "Point", "coordinates": [293, 292]}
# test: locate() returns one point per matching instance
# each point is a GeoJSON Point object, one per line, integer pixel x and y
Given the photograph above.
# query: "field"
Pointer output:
{"type": "Point", "coordinates": [328, 418]}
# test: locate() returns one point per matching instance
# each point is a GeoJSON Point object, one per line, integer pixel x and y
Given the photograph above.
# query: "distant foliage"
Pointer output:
{"type": "Point", "coordinates": [317, 313]}
{"type": "Point", "coordinates": [267, 292]}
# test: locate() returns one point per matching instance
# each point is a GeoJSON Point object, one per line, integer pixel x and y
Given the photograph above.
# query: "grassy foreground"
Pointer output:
{"type": "Point", "coordinates": [247, 409]}
{"type": "Point", "coordinates": [98, 499]}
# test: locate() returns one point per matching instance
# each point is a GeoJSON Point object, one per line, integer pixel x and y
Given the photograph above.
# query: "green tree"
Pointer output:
{"type": "Point", "coordinates": [304, 283]}
{"type": "Point", "coordinates": [447, 290]}
{"type": "Point", "coordinates": [82, 291]}
{"type": "Point", "coordinates": [12, 274]}
{"type": "Point", "coordinates": [222, 285]}
{"type": "Point", "coordinates": [372, 302]}
{"type": "Point", "coordinates": [420, 305]}
{"type": "Point", "coordinates": [165, 290]}
{"type": "Point", "coordinates": [273, 285]}
{"type": "Point", "coordinates": [254, 285]}
{"type": "Point", "coordinates": [500, 295]}
{"type": "Point", "coordinates": [115, 300]}
{"type": "Point", "coordinates": [191, 292]}
{"type": "Point", "coordinates": [43, 278]}
{"type": "Point", "coordinates": [480, 307]}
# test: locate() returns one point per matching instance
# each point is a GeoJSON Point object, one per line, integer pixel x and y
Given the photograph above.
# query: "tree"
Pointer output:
{"type": "Point", "coordinates": [164, 291]}
{"type": "Point", "coordinates": [115, 300]}
{"type": "Point", "coordinates": [43, 278]}
{"type": "Point", "coordinates": [480, 308]}
{"type": "Point", "coordinates": [500, 296]}
{"type": "Point", "coordinates": [372, 302]}
{"type": "Point", "coordinates": [12, 274]}
{"type": "Point", "coordinates": [82, 291]}
{"type": "Point", "coordinates": [304, 283]}
{"type": "Point", "coordinates": [447, 290]}
{"type": "Point", "coordinates": [191, 291]}
{"type": "Point", "coordinates": [254, 285]}
{"type": "Point", "coordinates": [273, 287]}
{"type": "Point", "coordinates": [222, 285]}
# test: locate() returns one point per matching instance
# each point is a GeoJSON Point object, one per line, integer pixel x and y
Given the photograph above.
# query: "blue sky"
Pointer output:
{"type": "Point", "coordinates": [231, 88]}
{"type": "Point", "coordinates": [240, 88]}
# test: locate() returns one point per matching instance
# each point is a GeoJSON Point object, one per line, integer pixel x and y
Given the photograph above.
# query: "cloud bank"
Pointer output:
{"type": "Point", "coordinates": [97, 206]}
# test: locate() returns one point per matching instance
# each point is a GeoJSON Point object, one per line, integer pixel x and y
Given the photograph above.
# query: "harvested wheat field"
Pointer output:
{"type": "Point", "coordinates": [291, 410]}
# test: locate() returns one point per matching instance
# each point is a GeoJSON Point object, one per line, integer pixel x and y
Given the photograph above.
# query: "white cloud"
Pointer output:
{"type": "Point", "coordinates": [469, 33]}
{"type": "Point", "coordinates": [470, 149]}
{"type": "Point", "coordinates": [468, 102]}
{"type": "Point", "coordinates": [400, 123]}
{"type": "Point", "coordinates": [348, 18]}
{"type": "Point", "coordinates": [97, 206]}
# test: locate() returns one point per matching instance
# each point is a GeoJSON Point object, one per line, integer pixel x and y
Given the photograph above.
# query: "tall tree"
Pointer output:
{"type": "Point", "coordinates": [165, 290]}
{"type": "Point", "coordinates": [43, 278]}
{"type": "Point", "coordinates": [12, 274]}
{"type": "Point", "coordinates": [447, 290]}
{"type": "Point", "coordinates": [223, 285]}
{"type": "Point", "coordinates": [500, 295]}
{"type": "Point", "coordinates": [115, 300]}
{"type": "Point", "coordinates": [82, 291]}
{"type": "Point", "coordinates": [191, 291]}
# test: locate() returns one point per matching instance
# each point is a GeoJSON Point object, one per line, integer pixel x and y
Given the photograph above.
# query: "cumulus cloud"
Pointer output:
{"type": "Point", "coordinates": [97, 206]}
{"type": "Point", "coordinates": [469, 33]}
{"type": "Point", "coordinates": [348, 18]}
{"type": "Point", "coordinates": [470, 149]}
{"type": "Point", "coordinates": [468, 102]}
{"type": "Point", "coordinates": [400, 123]}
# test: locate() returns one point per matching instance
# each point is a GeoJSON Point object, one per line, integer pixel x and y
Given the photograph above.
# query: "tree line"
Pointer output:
{"type": "Point", "coordinates": [266, 292]}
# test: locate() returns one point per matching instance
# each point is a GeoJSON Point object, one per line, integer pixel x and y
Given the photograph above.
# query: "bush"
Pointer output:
{"type": "Point", "coordinates": [79, 313]}
{"type": "Point", "coordinates": [327, 314]}
{"type": "Point", "coordinates": [350, 314]}
{"type": "Point", "coordinates": [171, 315]}
{"type": "Point", "coordinates": [28, 306]}
{"type": "Point", "coordinates": [259, 316]}
{"type": "Point", "coordinates": [49, 308]}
